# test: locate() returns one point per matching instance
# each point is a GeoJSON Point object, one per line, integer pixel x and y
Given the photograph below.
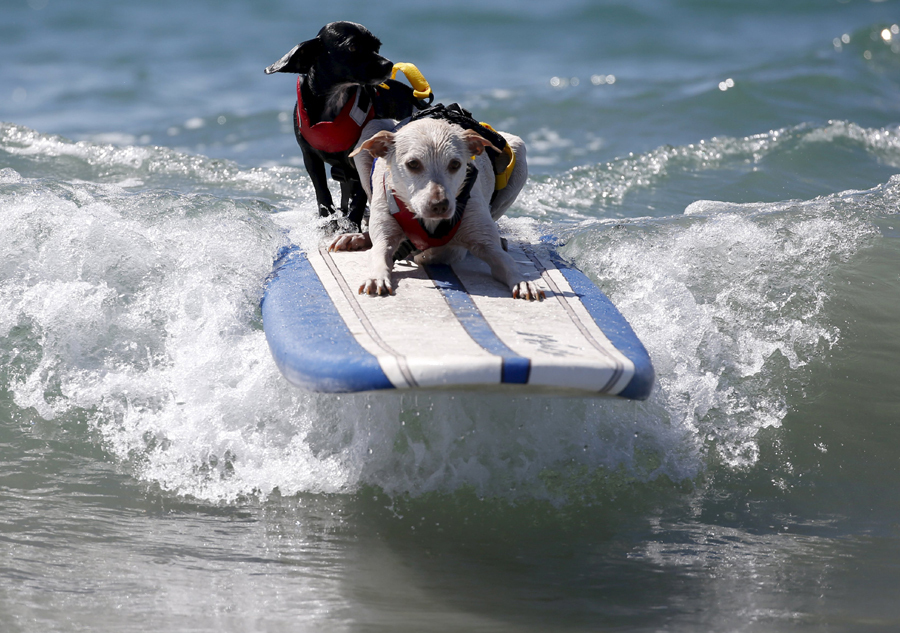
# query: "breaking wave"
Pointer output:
{"type": "Point", "coordinates": [129, 315]}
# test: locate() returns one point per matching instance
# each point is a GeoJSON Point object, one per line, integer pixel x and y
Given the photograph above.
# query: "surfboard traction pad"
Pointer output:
{"type": "Point", "coordinates": [449, 327]}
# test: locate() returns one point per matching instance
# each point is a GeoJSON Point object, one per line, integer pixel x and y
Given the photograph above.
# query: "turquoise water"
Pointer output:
{"type": "Point", "coordinates": [728, 173]}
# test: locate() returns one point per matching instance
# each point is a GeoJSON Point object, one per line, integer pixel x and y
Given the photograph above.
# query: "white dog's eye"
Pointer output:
{"type": "Point", "coordinates": [454, 165]}
{"type": "Point", "coordinates": [413, 165]}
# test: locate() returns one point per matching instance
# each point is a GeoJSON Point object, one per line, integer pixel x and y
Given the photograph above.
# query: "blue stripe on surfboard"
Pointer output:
{"type": "Point", "coordinates": [615, 327]}
{"type": "Point", "coordinates": [515, 369]}
{"type": "Point", "coordinates": [327, 357]}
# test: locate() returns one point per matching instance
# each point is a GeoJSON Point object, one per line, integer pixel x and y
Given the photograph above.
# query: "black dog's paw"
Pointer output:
{"type": "Point", "coordinates": [326, 210]}
{"type": "Point", "coordinates": [336, 224]}
{"type": "Point", "coordinates": [332, 226]}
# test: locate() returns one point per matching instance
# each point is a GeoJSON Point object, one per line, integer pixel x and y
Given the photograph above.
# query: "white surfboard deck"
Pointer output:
{"type": "Point", "coordinates": [449, 327]}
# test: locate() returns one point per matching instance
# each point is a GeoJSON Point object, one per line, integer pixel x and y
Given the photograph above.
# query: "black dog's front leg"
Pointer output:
{"type": "Point", "coordinates": [353, 196]}
{"type": "Point", "coordinates": [315, 166]}
{"type": "Point", "coordinates": [353, 201]}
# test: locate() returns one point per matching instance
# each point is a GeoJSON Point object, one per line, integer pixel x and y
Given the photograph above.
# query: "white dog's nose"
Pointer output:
{"type": "Point", "coordinates": [438, 203]}
{"type": "Point", "coordinates": [440, 207]}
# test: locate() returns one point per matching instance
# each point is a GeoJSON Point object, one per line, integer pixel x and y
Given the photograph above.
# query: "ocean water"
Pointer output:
{"type": "Point", "coordinates": [729, 174]}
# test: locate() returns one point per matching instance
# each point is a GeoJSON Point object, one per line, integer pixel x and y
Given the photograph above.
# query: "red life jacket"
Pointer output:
{"type": "Point", "coordinates": [417, 234]}
{"type": "Point", "coordinates": [341, 134]}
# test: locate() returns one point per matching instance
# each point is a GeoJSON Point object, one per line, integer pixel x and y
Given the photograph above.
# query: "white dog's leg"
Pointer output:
{"type": "Point", "coordinates": [350, 242]}
{"type": "Point", "coordinates": [386, 237]}
{"type": "Point", "coordinates": [518, 177]}
{"type": "Point", "coordinates": [505, 269]}
{"type": "Point", "coordinates": [381, 261]}
{"type": "Point", "coordinates": [379, 281]}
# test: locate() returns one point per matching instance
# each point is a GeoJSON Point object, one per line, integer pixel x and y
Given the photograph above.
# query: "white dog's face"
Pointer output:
{"type": "Point", "coordinates": [428, 164]}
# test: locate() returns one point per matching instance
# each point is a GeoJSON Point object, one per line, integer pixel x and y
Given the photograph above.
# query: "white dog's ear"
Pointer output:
{"type": "Point", "coordinates": [476, 143]}
{"type": "Point", "coordinates": [378, 146]}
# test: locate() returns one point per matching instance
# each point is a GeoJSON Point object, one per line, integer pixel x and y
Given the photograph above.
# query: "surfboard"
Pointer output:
{"type": "Point", "coordinates": [449, 327]}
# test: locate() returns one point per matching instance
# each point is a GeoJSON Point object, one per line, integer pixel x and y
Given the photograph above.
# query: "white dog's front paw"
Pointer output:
{"type": "Point", "coordinates": [351, 242]}
{"type": "Point", "coordinates": [528, 290]}
{"type": "Point", "coordinates": [377, 286]}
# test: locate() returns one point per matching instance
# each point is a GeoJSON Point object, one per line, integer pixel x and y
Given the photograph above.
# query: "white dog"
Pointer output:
{"type": "Point", "coordinates": [432, 183]}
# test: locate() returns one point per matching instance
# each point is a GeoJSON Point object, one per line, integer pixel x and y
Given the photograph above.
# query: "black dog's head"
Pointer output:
{"type": "Point", "coordinates": [342, 52]}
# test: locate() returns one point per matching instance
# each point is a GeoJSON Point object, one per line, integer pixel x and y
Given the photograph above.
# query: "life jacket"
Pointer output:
{"type": "Point", "coordinates": [415, 230]}
{"type": "Point", "coordinates": [341, 134]}
{"type": "Point", "coordinates": [454, 113]}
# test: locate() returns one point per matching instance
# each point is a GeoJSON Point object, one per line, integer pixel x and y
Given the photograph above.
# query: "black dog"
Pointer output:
{"type": "Point", "coordinates": [337, 95]}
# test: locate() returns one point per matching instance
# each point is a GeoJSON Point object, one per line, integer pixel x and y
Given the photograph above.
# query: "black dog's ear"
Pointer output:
{"type": "Point", "coordinates": [299, 60]}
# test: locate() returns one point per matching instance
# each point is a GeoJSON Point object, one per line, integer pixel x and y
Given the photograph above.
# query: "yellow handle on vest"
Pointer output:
{"type": "Point", "coordinates": [421, 89]}
{"type": "Point", "coordinates": [502, 179]}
